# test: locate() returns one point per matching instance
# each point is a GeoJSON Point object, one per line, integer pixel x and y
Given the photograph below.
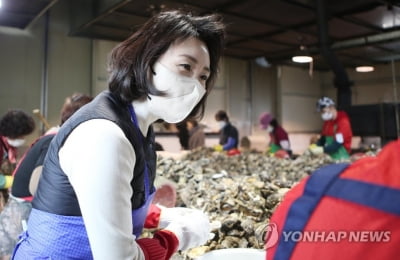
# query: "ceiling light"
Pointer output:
{"type": "Point", "coordinates": [364, 68]}
{"type": "Point", "coordinates": [302, 59]}
{"type": "Point", "coordinates": [0, 3]}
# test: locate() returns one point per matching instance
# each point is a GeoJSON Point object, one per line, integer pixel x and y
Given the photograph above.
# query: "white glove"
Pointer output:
{"type": "Point", "coordinates": [191, 226]}
{"type": "Point", "coordinates": [285, 144]}
{"type": "Point", "coordinates": [168, 215]}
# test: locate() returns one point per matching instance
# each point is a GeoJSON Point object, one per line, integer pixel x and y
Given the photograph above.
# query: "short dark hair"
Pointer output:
{"type": "Point", "coordinates": [274, 123]}
{"type": "Point", "coordinates": [72, 104]}
{"type": "Point", "coordinates": [221, 115]}
{"type": "Point", "coordinates": [132, 59]}
{"type": "Point", "coordinates": [16, 123]}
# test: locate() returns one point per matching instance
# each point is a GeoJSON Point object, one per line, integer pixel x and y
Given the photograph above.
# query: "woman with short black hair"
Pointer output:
{"type": "Point", "coordinates": [98, 177]}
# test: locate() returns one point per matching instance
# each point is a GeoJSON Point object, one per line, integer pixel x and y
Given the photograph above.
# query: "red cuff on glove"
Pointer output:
{"type": "Point", "coordinates": [162, 246]}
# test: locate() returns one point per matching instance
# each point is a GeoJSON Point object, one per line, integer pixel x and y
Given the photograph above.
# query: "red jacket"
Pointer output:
{"type": "Point", "coordinates": [341, 124]}
{"type": "Point", "coordinates": [279, 134]}
{"type": "Point", "coordinates": [358, 208]}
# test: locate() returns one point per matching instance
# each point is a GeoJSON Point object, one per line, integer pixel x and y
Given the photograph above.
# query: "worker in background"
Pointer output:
{"type": "Point", "coordinates": [228, 134]}
{"type": "Point", "coordinates": [336, 133]}
{"type": "Point", "coordinates": [341, 211]}
{"type": "Point", "coordinates": [97, 182]}
{"type": "Point", "coordinates": [26, 176]}
{"type": "Point", "coordinates": [279, 138]}
{"type": "Point", "coordinates": [197, 138]}
{"type": "Point", "coordinates": [183, 135]}
{"type": "Point", "coordinates": [245, 145]}
{"type": "Point", "coordinates": [15, 125]}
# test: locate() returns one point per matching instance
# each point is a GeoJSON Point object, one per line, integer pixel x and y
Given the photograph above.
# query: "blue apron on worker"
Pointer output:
{"type": "Point", "coordinates": [66, 237]}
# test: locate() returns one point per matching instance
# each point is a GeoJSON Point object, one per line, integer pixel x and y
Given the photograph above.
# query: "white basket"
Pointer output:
{"type": "Point", "coordinates": [234, 254]}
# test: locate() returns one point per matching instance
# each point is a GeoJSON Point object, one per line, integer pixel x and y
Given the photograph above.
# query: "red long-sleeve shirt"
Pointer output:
{"type": "Point", "coordinates": [341, 124]}
{"type": "Point", "coordinates": [278, 135]}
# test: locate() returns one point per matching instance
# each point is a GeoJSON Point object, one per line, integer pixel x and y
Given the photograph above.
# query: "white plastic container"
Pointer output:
{"type": "Point", "coordinates": [234, 254]}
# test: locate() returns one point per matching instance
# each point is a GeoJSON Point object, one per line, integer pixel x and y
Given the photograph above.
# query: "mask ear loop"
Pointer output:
{"type": "Point", "coordinates": [152, 70]}
{"type": "Point", "coordinates": [154, 73]}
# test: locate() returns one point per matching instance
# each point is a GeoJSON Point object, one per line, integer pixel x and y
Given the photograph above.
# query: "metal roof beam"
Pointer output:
{"type": "Point", "coordinates": [87, 12]}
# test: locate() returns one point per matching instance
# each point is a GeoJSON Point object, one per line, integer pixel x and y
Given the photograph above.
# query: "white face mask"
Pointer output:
{"type": "Point", "coordinates": [270, 129]}
{"type": "Point", "coordinates": [326, 116]}
{"type": "Point", "coordinates": [182, 95]}
{"type": "Point", "coordinates": [16, 142]}
{"type": "Point", "coordinates": [221, 124]}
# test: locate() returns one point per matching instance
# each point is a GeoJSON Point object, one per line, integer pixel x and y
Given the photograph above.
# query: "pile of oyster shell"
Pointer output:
{"type": "Point", "coordinates": [239, 193]}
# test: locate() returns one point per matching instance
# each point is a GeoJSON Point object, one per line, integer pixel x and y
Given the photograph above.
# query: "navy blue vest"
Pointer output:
{"type": "Point", "coordinates": [55, 193]}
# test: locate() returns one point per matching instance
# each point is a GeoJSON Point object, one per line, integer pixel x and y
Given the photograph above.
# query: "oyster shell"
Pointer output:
{"type": "Point", "coordinates": [239, 192]}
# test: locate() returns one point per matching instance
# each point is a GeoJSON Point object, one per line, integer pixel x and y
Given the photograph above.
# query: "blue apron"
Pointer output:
{"type": "Point", "coordinates": [58, 237]}
{"type": "Point", "coordinates": [139, 215]}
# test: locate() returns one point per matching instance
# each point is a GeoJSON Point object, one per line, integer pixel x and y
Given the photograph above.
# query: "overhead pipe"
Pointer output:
{"type": "Point", "coordinates": [341, 79]}
{"type": "Point", "coordinates": [373, 39]}
{"type": "Point", "coordinates": [367, 40]}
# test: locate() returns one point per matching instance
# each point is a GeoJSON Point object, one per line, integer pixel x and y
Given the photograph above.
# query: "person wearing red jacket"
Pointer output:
{"type": "Point", "coordinates": [341, 211]}
{"type": "Point", "coordinates": [336, 131]}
